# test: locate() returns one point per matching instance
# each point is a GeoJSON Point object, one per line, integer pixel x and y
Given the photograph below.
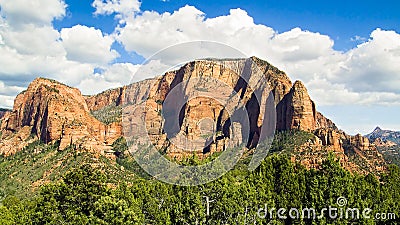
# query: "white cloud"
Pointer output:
{"type": "Point", "coordinates": [41, 12]}
{"type": "Point", "coordinates": [367, 74]}
{"type": "Point", "coordinates": [373, 65]}
{"type": "Point", "coordinates": [33, 40]}
{"type": "Point", "coordinates": [6, 101]}
{"type": "Point", "coordinates": [120, 72]}
{"type": "Point", "coordinates": [13, 90]}
{"type": "Point", "coordinates": [116, 75]}
{"type": "Point", "coordinates": [87, 45]}
{"type": "Point", "coordinates": [122, 7]}
{"type": "Point", "coordinates": [358, 38]}
{"type": "Point", "coordinates": [30, 47]}
{"type": "Point", "coordinates": [150, 32]}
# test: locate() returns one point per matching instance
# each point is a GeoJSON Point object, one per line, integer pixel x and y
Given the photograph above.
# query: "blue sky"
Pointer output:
{"type": "Point", "coordinates": [346, 52]}
{"type": "Point", "coordinates": [341, 20]}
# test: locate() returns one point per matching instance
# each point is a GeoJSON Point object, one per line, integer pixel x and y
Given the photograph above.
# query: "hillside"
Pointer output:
{"type": "Point", "coordinates": [64, 157]}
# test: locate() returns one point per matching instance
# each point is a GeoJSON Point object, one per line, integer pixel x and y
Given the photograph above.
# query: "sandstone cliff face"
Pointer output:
{"type": "Point", "coordinates": [106, 98]}
{"type": "Point", "coordinates": [204, 123]}
{"type": "Point", "coordinates": [359, 142]}
{"type": "Point", "coordinates": [50, 111]}
{"type": "Point", "coordinates": [296, 110]}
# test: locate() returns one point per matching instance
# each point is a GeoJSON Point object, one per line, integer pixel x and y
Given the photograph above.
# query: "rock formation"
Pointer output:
{"type": "Point", "coordinates": [296, 110]}
{"type": "Point", "coordinates": [175, 119]}
{"type": "Point", "coordinates": [106, 98]}
{"type": "Point", "coordinates": [50, 111]}
{"type": "Point", "coordinates": [380, 143]}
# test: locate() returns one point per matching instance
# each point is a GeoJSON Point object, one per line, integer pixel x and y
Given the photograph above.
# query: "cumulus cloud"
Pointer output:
{"type": "Point", "coordinates": [30, 47]}
{"type": "Point", "coordinates": [116, 75]}
{"type": "Point", "coordinates": [87, 45]}
{"type": "Point", "coordinates": [41, 12]}
{"type": "Point", "coordinates": [33, 40]}
{"type": "Point", "coordinates": [122, 8]}
{"type": "Point", "coordinates": [373, 65]}
{"type": "Point", "coordinates": [366, 74]}
{"type": "Point", "coordinates": [13, 90]}
{"type": "Point", "coordinates": [6, 101]}
{"type": "Point", "coordinates": [150, 32]}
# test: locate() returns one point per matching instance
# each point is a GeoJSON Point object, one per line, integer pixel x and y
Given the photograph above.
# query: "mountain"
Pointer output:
{"type": "Point", "coordinates": [56, 114]}
{"type": "Point", "coordinates": [53, 112]}
{"type": "Point", "coordinates": [384, 135]}
{"type": "Point", "coordinates": [388, 144]}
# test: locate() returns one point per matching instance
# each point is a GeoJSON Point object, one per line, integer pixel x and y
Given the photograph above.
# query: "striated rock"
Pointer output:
{"type": "Point", "coordinates": [55, 112]}
{"type": "Point", "coordinates": [177, 120]}
{"type": "Point", "coordinates": [167, 111]}
{"type": "Point", "coordinates": [330, 137]}
{"type": "Point", "coordinates": [296, 110]}
{"type": "Point", "coordinates": [359, 142]}
{"type": "Point", "coordinates": [110, 97]}
{"type": "Point", "coordinates": [323, 122]}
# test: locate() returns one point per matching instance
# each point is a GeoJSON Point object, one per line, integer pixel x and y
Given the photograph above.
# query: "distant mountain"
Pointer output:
{"type": "Point", "coordinates": [384, 135]}
{"type": "Point", "coordinates": [388, 144]}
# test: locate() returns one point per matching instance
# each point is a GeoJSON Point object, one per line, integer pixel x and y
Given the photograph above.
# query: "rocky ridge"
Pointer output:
{"type": "Point", "coordinates": [53, 112]}
{"type": "Point", "coordinates": [384, 135]}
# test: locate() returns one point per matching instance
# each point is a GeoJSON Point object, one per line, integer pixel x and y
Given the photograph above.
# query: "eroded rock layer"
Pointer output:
{"type": "Point", "coordinates": [195, 107]}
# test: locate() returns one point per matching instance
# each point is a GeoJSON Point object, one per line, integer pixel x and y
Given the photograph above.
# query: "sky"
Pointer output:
{"type": "Point", "coordinates": [346, 52]}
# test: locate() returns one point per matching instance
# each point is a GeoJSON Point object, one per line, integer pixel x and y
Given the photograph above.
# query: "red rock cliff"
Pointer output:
{"type": "Point", "coordinates": [50, 111]}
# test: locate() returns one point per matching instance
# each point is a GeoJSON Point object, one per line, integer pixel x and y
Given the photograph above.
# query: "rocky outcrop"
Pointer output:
{"type": "Point", "coordinates": [359, 142]}
{"type": "Point", "coordinates": [296, 110]}
{"type": "Point", "coordinates": [205, 122]}
{"type": "Point", "coordinates": [323, 122]}
{"type": "Point", "coordinates": [50, 111]}
{"type": "Point", "coordinates": [330, 137]}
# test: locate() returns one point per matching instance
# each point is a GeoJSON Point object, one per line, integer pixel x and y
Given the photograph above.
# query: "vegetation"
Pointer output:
{"type": "Point", "coordinates": [391, 154]}
{"type": "Point", "coordinates": [83, 197]}
{"type": "Point", "coordinates": [103, 192]}
{"type": "Point", "coordinates": [108, 114]}
{"type": "Point", "coordinates": [23, 173]}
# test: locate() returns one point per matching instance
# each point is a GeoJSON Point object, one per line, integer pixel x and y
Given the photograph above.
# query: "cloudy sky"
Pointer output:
{"type": "Point", "coordinates": [347, 53]}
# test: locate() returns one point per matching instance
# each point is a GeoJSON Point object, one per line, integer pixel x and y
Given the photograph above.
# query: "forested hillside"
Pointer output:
{"type": "Point", "coordinates": [85, 196]}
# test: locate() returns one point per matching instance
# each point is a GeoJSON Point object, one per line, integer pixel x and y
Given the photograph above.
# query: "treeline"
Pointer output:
{"type": "Point", "coordinates": [239, 197]}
